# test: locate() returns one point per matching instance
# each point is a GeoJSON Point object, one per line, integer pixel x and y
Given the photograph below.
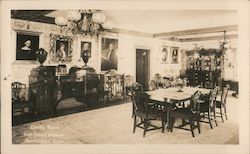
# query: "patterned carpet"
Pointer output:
{"type": "Point", "coordinates": [113, 125]}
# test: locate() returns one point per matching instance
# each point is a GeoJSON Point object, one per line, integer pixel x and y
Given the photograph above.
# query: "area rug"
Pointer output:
{"type": "Point", "coordinates": [114, 125]}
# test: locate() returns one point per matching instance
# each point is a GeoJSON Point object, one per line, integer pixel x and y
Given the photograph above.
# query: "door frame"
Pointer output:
{"type": "Point", "coordinates": [149, 55]}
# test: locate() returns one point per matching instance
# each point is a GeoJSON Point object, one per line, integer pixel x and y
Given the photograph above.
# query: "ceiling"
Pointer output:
{"type": "Point", "coordinates": [33, 15]}
{"type": "Point", "coordinates": [158, 23]}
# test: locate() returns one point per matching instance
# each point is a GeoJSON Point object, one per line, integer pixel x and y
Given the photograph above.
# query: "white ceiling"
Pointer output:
{"type": "Point", "coordinates": [159, 21]}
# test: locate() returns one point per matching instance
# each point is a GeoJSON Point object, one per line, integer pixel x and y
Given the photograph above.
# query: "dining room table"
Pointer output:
{"type": "Point", "coordinates": [171, 96]}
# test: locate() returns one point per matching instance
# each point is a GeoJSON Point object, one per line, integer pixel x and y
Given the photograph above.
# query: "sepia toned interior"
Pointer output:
{"type": "Point", "coordinates": [141, 69]}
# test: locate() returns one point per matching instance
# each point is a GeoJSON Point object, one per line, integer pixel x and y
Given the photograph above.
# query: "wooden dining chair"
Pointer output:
{"type": "Point", "coordinates": [146, 113]}
{"type": "Point", "coordinates": [128, 82]}
{"type": "Point", "coordinates": [153, 85]}
{"type": "Point", "coordinates": [19, 103]}
{"type": "Point", "coordinates": [135, 87]}
{"type": "Point", "coordinates": [166, 83]}
{"type": "Point", "coordinates": [207, 109]}
{"type": "Point", "coordinates": [190, 113]}
{"type": "Point", "coordinates": [158, 80]}
{"type": "Point", "coordinates": [223, 102]}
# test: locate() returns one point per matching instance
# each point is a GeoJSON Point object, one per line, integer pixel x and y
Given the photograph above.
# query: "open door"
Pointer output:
{"type": "Point", "coordinates": [142, 67]}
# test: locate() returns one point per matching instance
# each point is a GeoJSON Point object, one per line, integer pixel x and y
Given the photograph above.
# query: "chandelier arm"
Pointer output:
{"type": "Point", "coordinates": [90, 22]}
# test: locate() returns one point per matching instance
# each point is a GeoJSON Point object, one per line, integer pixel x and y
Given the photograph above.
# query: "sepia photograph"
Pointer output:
{"type": "Point", "coordinates": [160, 78]}
{"type": "Point", "coordinates": [86, 46]}
{"type": "Point", "coordinates": [165, 54]}
{"type": "Point", "coordinates": [174, 53]}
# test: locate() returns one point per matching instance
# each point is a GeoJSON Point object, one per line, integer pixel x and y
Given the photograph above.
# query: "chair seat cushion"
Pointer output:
{"type": "Point", "coordinates": [182, 112]}
{"type": "Point", "coordinates": [204, 107]}
{"type": "Point", "coordinates": [17, 105]}
{"type": "Point", "coordinates": [218, 104]}
{"type": "Point", "coordinates": [152, 113]}
{"type": "Point", "coordinates": [22, 104]}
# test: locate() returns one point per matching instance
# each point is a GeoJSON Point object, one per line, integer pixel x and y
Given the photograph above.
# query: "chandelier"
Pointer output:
{"type": "Point", "coordinates": [88, 22]}
{"type": "Point", "coordinates": [224, 41]}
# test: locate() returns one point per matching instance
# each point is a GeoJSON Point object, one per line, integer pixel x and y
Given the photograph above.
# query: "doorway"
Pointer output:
{"type": "Point", "coordinates": [142, 67]}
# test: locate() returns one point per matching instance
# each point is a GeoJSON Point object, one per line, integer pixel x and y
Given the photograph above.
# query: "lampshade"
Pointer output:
{"type": "Point", "coordinates": [98, 17]}
{"type": "Point", "coordinates": [88, 22]}
{"type": "Point", "coordinates": [61, 21]}
{"type": "Point", "coordinates": [196, 55]}
{"type": "Point", "coordinates": [227, 45]}
{"type": "Point", "coordinates": [74, 15]}
{"type": "Point", "coordinates": [196, 48]}
{"type": "Point", "coordinates": [107, 25]}
{"type": "Point", "coordinates": [224, 41]}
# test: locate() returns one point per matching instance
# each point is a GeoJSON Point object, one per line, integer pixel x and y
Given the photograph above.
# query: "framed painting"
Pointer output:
{"type": "Point", "coordinates": [109, 47]}
{"type": "Point", "coordinates": [86, 46]}
{"type": "Point", "coordinates": [174, 54]}
{"type": "Point", "coordinates": [164, 54]}
{"type": "Point", "coordinates": [26, 45]}
{"type": "Point", "coordinates": [60, 49]}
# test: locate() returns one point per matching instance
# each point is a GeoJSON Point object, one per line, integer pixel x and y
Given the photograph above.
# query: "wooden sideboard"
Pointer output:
{"type": "Point", "coordinates": [204, 67]}
{"type": "Point", "coordinates": [47, 88]}
{"type": "Point", "coordinates": [205, 79]}
{"type": "Point", "coordinates": [42, 86]}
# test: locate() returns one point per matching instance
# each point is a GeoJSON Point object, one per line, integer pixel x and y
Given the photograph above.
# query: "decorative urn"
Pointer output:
{"type": "Point", "coordinates": [41, 55]}
{"type": "Point", "coordinates": [85, 56]}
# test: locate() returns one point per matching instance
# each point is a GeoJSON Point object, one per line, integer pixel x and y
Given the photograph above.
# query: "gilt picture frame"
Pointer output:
{"type": "Point", "coordinates": [61, 50]}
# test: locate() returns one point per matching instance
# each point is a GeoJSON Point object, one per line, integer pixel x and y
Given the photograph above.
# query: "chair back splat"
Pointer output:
{"type": "Point", "coordinates": [141, 101]}
{"type": "Point", "coordinates": [20, 106]}
{"type": "Point", "coordinates": [190, 113]}
{"type": "Point", "coordinates": [221, 104]}
{"type": "Point", "coordinates": [208, 107]}
{"type": "Point", "coordinates": [143, 110]}
{"type": "Point", "coordinates": [195, 102]}
{"type": "Point", "coordinates": [18, 91]}
{"type": "Point", "coordinates": [224, 94]}
{"type": "Point", "coordinates": [212, 97]}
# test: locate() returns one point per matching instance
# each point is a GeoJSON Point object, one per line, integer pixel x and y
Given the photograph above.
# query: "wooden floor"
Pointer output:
{"type": "Point", "coordinates": [113, 125]}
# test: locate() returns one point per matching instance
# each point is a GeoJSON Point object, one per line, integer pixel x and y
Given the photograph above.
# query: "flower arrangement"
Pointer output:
{"type": "Point", "coordinates": [180, 84]}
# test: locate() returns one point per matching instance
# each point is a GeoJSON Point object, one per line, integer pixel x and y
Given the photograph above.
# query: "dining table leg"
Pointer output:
{"type": "Point", "coordinates": [168, 116]}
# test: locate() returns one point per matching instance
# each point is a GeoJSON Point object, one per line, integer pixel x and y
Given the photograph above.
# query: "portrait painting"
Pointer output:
{"type": "Point", "coordinates": [86, 46]}
{"type": "Point", "coordinates": [109, 49]}
{"type": "Point", "coordinates": [164, 54]}
{"type": "Point", "coordinates": [61, 49]}
{"type": "Point", "coordinates": [174, 53]}
{"type": "Point", "coordinates": [26, 45]}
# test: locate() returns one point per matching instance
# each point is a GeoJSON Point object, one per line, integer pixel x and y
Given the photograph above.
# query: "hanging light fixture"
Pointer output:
{"type": "Point", "coordinates": [196, 51]}
{"type": "Point", "coordinates": [61, 21]}
{"type": "Point", "coordinates": [88, 22]}
{"type": "Point", "coordinates": [224, 42]}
